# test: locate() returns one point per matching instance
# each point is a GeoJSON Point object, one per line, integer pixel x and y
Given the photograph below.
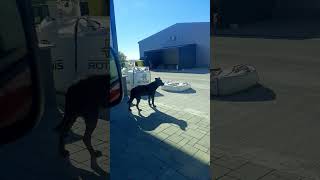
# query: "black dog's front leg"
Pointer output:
{"type": "Point", "coordinates": [153, 101]}
{"type": "Point", "coordinates": [149, 98]}
{"type": "Point", "coordinates": [91, 120]}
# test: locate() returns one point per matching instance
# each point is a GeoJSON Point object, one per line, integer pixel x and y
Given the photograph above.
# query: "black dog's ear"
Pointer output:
{"type": "Point", "coordinates": [156, 78]}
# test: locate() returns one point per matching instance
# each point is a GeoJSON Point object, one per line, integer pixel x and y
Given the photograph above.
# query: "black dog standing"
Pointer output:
{"type": "Point", "coordinates": [84, 99]}
{"type": "Point", "coordinates": [145, 90]}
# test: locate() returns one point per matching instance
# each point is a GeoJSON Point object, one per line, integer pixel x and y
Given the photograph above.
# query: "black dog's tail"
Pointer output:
{"type": "Point", "coordinates": [128, 102]}
{"type": "Point", "coordinates": [129, 98]}
{"type": "Point", "coordinates": [59, 126]}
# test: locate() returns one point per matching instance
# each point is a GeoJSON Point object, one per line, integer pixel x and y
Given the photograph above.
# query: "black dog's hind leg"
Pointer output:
{"type": "Point", "coordinates": [138, 101]}
{"type": "Point", "coordinates": [67, 123]}
{"type": "Point", "coordinates": [59, 126]}
{"type": "Point", "coordinates": [91, 120]}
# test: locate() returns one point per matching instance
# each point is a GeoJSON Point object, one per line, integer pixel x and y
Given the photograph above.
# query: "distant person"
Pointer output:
{"type": "Point", "coordinates": [150, 65]}
{"type": "Point", "coordinates": [219, 17]}
{"type": "Point", "coordinates": [216, 21]}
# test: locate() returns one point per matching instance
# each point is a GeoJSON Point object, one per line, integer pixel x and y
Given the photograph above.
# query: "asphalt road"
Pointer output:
{"type": "Point", "coordinates": [279, 126]}
{"type": "Point", "coordinates": [195, 99]}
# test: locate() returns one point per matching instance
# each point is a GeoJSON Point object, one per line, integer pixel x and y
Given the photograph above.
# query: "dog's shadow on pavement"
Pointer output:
{"type": "Point", "coordinates": [82, 173]}
{"type": "Point", "coordinates": [78, 173]}
{"type": "Point", "coordinates": [155, 119]}
{"type": "Point", "coordinates": [134, 151]}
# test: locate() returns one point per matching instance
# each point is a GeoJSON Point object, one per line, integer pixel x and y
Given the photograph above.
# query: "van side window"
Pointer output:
{"type": "Point", "coordinates": [12, 37]}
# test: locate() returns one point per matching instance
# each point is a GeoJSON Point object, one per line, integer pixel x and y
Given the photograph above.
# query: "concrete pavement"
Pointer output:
{"type": "Point", "coordinates": [274, 125]}
{"type": "Point", "coordinates": [171, 141]}
{"type": "Point", "coordinates": [225, 166]}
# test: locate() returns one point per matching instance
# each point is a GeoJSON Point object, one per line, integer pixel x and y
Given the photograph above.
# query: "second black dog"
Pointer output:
{"type": "Point", "coordinates": [145, 90]}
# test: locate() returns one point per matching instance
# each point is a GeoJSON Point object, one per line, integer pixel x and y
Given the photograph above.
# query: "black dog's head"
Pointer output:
{"type": "Point", "coordinates": [159, 81]}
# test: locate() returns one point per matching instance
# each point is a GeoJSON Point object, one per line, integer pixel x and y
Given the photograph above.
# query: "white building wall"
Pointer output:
{"type": "Point", "coordinates": [182, 33]}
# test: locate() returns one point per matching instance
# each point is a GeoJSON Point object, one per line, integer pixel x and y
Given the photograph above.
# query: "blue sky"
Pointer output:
{"type": "Point", "coordinates": [138, 19]}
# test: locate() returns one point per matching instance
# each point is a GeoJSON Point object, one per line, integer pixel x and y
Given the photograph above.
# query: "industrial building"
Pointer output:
{"type": "Point", "coordinates": [180, 46]}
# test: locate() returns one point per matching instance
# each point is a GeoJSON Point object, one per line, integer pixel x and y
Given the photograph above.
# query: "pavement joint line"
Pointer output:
{"type": "Point", "coordinates": [250, 162]}
{"type": "Point", "coordinates": [166, 133]}
{"type": "Point", "coordinates": [193, 142]}
{"type": "Point", "coordinates": [215, 158]}
{"type": "Point", "coordinates": [232, 154]}
{"type": "Point", "coordinates": [234, 169]}
{"type": "Point", "coordinates": [225, 174]}
{"type": "Point", "coordinates": [272, 170]}
{"type": "Point", "coordinates": [169, 166]}
{"type": "Point", "coordinates": [200, 147]}
{"type": "Point", "coordinates": [78, 150]}
{"type": "Point", "coordinates": [186, 110]}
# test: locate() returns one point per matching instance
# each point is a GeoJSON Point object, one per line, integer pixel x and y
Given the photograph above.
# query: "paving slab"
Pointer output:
{"type": "Point", "coordinates": [168, 144]}
{"type": "Point", "coordinates": [168, 132]}
{"type": "Point", "coordinates": [218, 171]}
{"type": "Point", "coordinates": [250, 172]}
{"type": "Point", "coordinates": [272, 122]}
{"type": "Point", "coordinates": [231, 162]}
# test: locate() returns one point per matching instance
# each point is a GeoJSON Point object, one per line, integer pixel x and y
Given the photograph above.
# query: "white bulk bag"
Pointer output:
{"type": "Point", "coordinates": [62, 55]}
{"type": "Point", "coordinates": [91, 48]}
{"type": "Point", "coordinates": [172, 86]}
{"type": "Point", "coordinates": [139, 76]}
{"type": "Point", "coordinates": [232, 80]}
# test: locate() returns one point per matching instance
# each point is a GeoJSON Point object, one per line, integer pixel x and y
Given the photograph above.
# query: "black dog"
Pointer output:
{"type": "Point", "coordinates": [145, 90]}
{"type": "Point", "coordinates": [84, 99]}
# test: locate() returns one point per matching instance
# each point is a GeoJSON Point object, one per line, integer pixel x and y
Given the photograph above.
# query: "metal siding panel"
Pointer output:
{"type": "Point", "coordinates": [188, 56]}
{"type": "Point", "coordinates": [186, 33]}
{"type": "Point", "coordinates": [170, 56]}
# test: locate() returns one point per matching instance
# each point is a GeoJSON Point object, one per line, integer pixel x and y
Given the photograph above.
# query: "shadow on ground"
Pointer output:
{"type": "Point", "coordinates": [139, 154]}
{"type": "Point", "coordinates": [256, 93]}
{"type": "Point", "coordinates": [157, 118]}
{"type": "Point", "coordinates": [81, 173]}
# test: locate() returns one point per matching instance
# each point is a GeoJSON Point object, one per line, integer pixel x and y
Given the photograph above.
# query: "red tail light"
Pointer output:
{"type": "Point", "coordinates": [115, 93]}
{"type": "Point", "coordinates": [16, 99]}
